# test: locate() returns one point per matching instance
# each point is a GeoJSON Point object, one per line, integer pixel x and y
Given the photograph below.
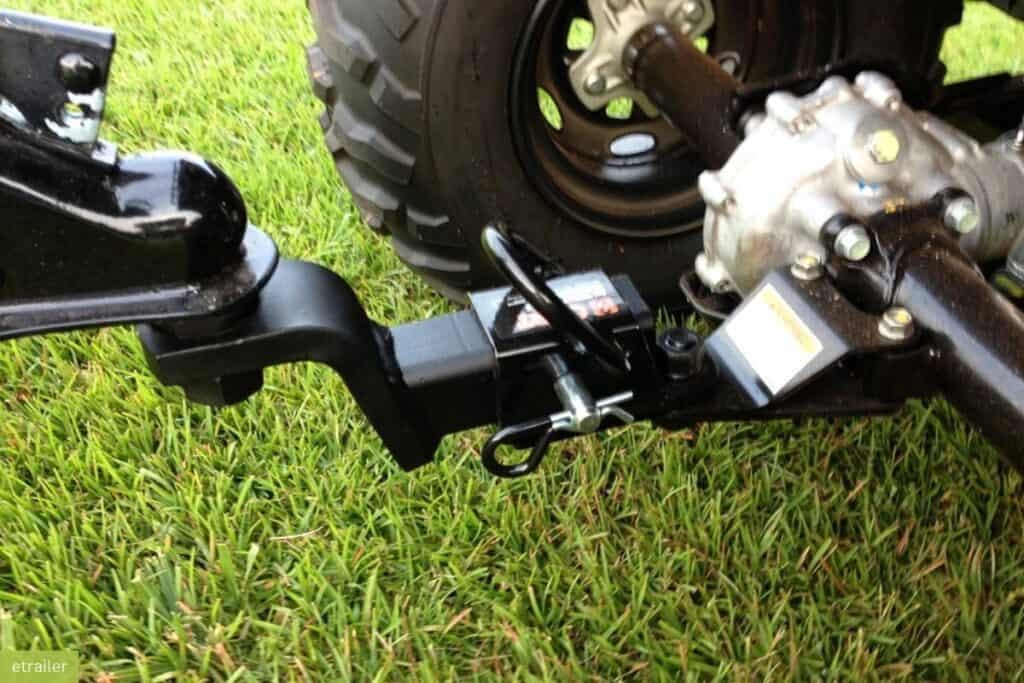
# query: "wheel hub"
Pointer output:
{"type": "Point", "coordinates": [618, 170]}
{"type": "Point", "coordinates": [597, 76]}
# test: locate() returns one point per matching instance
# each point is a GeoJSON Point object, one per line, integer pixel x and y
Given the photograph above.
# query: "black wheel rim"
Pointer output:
{"type": "Point", "coordinates": [627, 177]}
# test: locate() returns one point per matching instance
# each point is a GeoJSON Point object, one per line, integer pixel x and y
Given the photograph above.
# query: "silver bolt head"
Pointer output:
{"type": "Point", "coordinates": [897, 324]}
{"type": "Point", "coordinates": [714, 192]}
{"type": "Point", "coordinates": [853, 243]}
{"type": "Point", "coordinates": [962, 216]}
{"type": "Point", "coordinates": [885, 146]}
{"type": "Point", "coordinates": [596, 84]}
{"type": "Point", "coordinates": [693, 11]}
{"type": "Point", "coordinates": [807, 267]}
{"type": "Point", "coordinates": [730, 64]}
{"type": "Point", "coordinates": [72, 113]}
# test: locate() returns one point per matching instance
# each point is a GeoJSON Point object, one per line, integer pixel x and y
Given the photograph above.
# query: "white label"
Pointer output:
{"type": "Point", "coordinates": [773, 339]}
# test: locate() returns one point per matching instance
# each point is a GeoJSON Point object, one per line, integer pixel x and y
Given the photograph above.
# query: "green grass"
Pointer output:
{"type": "Point", "coordinates": [276, 541]}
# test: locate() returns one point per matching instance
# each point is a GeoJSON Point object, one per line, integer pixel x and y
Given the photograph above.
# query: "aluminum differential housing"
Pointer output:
{"type": "Point", "coordinates": [846, 152]}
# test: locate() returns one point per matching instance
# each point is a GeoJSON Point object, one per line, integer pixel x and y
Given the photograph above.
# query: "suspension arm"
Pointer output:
{"type": "Point", "coordinates": [975, 335]}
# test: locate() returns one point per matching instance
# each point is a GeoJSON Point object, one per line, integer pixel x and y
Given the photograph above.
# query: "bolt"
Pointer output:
{"type": "Point", "coordinates": [680, 341]}
{"type": "Point", "coordinates": [72, 112]}
{"type": "Point", "coordinates": [885, 146]}
{"type": "Point", "coordinates": [684, 351]}
{"type": "Point", "coordinates": [807, 267]}
{"type": "Point", "coordinates": [750, 122]}
{"type": "Point", "coordinates": [730, 62]}
{"type": "Point", "coordinates": [692, 11]}
{"type": "Point", "coordinates": [715, 194]}
{"type": "Point", "coordinates": [853, 243]}
{"type": "Point", "coordinates": [897, 324]}
{"type": "Point", "coordinates": [596, 84]}
{"type": "Point", "coordinates": [78, 73]}
{"type": "Point", "coordinates": [713, 274]}
{"type": "Point", "coordinates": [962, 215]}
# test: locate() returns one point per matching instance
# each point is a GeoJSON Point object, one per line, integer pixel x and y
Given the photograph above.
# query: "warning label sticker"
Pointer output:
{"type": "Point", "coordinates": [773, 339]}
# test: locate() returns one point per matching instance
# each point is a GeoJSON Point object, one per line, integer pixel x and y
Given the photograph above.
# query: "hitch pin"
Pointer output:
{"type": "Point", "coordinates": [581, 415]}
{"type": "Point", "coordinates": [544, 430]}
{"type": "Point", "coordinates": [575, 422]}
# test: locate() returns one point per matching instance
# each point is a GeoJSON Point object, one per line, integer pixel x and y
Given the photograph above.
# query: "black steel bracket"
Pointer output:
{"type": "Point", "coordinates": [304, 313]}
{"type": "Point", "coordinates": [53, 81]}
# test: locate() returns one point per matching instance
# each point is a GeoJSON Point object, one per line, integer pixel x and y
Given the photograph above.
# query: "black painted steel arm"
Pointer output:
{"type": "Point", "coordinates": [974, 335]}
{"type": "Point", "coordinates": [305, 313]}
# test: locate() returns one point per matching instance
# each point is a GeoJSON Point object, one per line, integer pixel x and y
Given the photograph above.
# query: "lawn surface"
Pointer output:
{"type": "Point", "coordinates": [276, 541]}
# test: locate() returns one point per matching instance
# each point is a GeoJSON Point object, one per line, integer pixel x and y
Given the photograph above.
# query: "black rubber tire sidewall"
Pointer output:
{"type": "Point", "coordinates": [477, 164]}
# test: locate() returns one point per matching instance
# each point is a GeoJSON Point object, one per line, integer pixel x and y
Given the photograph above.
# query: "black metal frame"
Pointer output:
{"type": "Point", "coordinates": [162, 241]}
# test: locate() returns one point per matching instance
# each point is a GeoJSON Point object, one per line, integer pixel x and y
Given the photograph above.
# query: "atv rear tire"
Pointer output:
{"type": "Point", "coordinates": [426, 103]}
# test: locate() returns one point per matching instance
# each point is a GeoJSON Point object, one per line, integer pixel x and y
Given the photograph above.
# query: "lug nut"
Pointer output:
{"type": "Point", "coordinates": [596, 84]}
{"type": "Point", "coordinates": [807, 267]}
{"type": "Point", "coordinates": [692, 11]}
{"type": "Point", "coordinates": [853, 243]}
{"type": "Point", "coordinates": [962, 216]}
{"type": "Point", "coordinates": [897, 324]}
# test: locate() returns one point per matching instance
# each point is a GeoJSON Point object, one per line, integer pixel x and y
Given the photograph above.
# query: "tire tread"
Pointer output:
{"type": "Point", "coordinates": [373, 127]}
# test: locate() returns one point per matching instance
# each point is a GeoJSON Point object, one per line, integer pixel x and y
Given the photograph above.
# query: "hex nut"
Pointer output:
{"type": "Point", "coordinates": [596, 84]}
{"type": "Point", "coordinates": [897, 324]}
{"type": "Point", "coordinates": [807, 267]}
{"type": "Point", "coordinates": [853, 243]}
{"type": "Point", "coordinates": [962, 216]}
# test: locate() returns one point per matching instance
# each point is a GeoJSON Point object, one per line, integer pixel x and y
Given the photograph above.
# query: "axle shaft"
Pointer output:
{"type": "Point", "coordinates": [689, 87]}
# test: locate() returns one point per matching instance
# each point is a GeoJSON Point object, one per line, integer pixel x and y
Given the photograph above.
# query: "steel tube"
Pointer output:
{"type": "Point", "coordinates": [689, 87]}
{"type": "Point", "coordinates": [978, 337]}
